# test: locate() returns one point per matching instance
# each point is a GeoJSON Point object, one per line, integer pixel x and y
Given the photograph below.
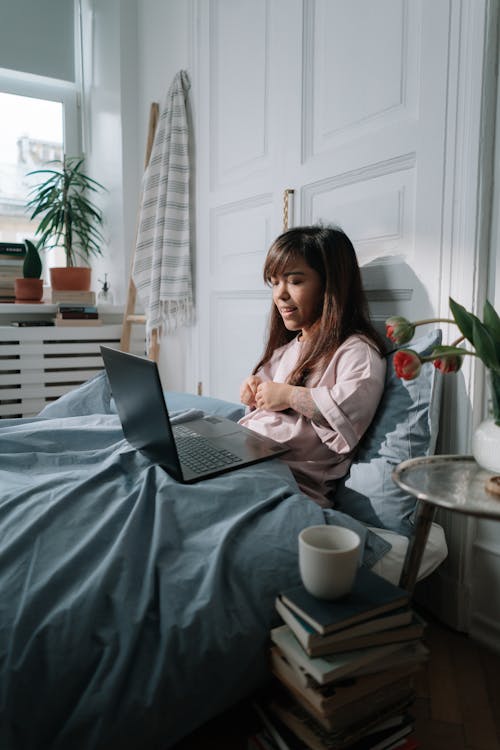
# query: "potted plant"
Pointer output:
{"type": "Point", "coordinates": [29, 288]}
{"type": "Point", "coordinates": [68, 219]}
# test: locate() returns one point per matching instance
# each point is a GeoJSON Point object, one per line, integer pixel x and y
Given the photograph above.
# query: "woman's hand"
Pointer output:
{"type": "Point", "coordinates": [273, 396]}
{"type": "Point", "coordinates": [281, 396]}
{"type": "Point", "coordinates": [248, 390]}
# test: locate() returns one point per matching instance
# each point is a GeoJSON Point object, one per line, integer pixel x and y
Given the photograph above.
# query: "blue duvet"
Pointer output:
{"type": "Point", "coordinates": [133, 608]}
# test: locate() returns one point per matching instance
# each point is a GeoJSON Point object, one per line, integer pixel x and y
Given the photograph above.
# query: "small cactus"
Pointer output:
{"type": "Point", "coordinates": [32, 266]}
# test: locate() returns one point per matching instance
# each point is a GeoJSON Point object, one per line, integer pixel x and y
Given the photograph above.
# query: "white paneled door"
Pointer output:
{"type": "Point", "coordinates": [343, 101]}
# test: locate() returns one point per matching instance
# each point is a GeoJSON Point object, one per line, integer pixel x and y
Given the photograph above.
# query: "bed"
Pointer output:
{"type": "Point", "coordinates": [133, 608]}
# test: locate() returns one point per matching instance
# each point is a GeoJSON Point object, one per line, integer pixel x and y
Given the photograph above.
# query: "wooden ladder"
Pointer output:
{"type": "Point", "coordinates": [129, 316]}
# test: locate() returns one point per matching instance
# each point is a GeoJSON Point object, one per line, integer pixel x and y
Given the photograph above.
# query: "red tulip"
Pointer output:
{"type": "Point", "coordinates": [399, 329]}
{"type": "Point", "coordinates": [449, 363]}
{"type": "Point", "coordinates": [407, 364]}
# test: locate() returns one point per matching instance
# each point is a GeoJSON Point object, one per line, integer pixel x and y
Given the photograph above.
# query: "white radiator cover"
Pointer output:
{"type": "Point", "coordinates": [39, 364]}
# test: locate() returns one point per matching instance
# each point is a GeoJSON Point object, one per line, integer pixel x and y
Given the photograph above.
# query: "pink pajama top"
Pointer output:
{"type": "Point", "coordinates": [346, 393]}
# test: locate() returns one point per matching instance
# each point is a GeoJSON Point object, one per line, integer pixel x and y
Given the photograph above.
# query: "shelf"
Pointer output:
{"type": "Point", "coordinates": [47, 308]}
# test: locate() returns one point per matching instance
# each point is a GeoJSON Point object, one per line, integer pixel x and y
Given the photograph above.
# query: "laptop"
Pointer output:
{"type": "Point", "coordinates": [189, 451]}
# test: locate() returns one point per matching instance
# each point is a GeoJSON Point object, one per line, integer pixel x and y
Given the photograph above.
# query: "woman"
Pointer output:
{"type": "Point", "coordinates": [322, 373]}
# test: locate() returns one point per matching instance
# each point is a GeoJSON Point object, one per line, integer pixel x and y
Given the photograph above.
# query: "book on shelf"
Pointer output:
{"type": "Point", "coordinates": [72, 307]}
{"type": "Point", "coordinates": [332, 667]}
{"type": "Point", "coordinates": [78, 322]}
{"type": "Point", "coordinates": [390, 725]}
{"type": "Point", "coordinates": [335, 695]}
{"type": "Point", "coordinates": [73, 297]}
{"type": "Point", "coordinates": [316, 644]}
{"type": "Point", "coordinates": [370, 596]}
{"type": "Point", "coordinates": [31, 323]}
{"type": "Point", "coordinates": [11, 266]}
{"type": "Point", "coordinates": [12, 250]}
{"type": "Point", "coordinates": [74, 315]}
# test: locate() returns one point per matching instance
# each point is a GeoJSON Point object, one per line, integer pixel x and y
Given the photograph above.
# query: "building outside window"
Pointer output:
{"type": "Point", "coordinates": [39, 124]}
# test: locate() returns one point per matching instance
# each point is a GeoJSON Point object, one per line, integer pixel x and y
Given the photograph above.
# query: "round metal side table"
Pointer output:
{"type": "Point", "coordinates": [453, 482]}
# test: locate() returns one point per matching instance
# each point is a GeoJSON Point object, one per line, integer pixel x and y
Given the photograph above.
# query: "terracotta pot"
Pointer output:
{"type": "Point", "coordinates": [28, 290]}
{"type": "Point", "coordinates": [74, 278]}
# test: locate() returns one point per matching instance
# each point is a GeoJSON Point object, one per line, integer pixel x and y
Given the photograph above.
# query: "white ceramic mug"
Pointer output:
{"type": "Point", "coordinates": [328, 560]}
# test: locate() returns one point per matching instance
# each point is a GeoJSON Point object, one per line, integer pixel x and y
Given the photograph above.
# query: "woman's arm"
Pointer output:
{"type": "Point", "coordinates": [281, 396]}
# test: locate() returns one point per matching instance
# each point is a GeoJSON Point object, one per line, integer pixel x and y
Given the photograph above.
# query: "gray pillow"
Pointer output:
{"type": "Point", "coordinates": [405, 426]}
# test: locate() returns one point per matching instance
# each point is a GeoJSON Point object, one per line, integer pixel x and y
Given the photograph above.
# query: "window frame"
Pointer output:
{"type": "Point", "coordinates": [50, 89]}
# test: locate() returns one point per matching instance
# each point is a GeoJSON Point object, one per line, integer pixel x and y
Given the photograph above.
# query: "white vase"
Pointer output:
{"type": "Point", "coordinates": [486, 439]}
{"type": "Point", "coordinates": [486, 445]}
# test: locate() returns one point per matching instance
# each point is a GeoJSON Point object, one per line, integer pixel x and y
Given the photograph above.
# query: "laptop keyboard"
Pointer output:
{"type": "Point", "coordinates": [198, 453]}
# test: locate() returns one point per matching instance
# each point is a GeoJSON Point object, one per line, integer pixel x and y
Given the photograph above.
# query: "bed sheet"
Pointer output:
{"type": "Point", "coordinates": [132, 608]}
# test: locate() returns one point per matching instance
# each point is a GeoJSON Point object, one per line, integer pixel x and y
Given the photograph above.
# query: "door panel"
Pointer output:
{"type": "Point", "coordinates": [239, 321]}
{"type": "Point", "coordinates": [359, 69]}
{"type": "Point", "coordinates": [345, 102]}
{"type": "Point", "coordinates": [239, 90]}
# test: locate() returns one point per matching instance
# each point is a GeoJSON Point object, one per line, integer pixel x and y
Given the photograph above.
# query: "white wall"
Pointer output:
{"type": "Point", "coordinates": [164, 48]}
{"type": "Point", "coordinates": [132, 50]}
{"type": "Point", "coordinates": [109, 117]}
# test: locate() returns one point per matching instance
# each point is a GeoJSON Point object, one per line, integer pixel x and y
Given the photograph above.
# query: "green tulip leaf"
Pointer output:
{"type": "Point", "coordinates": [484, 345]}
{"type": "Point", "coordinates": [463, 319]}
{"type": "Point", "coordinates": [492, 322]}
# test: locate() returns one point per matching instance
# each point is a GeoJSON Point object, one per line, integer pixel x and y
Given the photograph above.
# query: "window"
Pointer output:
{"type": "Point", "coordinates": [39, 124]}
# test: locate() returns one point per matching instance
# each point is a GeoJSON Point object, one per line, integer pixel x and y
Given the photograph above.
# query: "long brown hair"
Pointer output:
{"type": "Point", "coordinates": [344, 308]}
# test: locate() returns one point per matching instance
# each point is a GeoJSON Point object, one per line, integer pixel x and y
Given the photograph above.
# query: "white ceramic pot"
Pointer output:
{"type": "Point", "coordinates": [486, 445]}
{"type": "Point", "coordinates": [486, 439]}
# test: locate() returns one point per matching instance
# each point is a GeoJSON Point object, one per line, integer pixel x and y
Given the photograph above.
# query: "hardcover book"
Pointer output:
{"type": "Point", "coordinates": [316, 644]}
{"type": "Point", "coordinates": [78, 322]}
{"type": "Point", "coordinates": [331, 667]}
{"type": "Point", "coordinates": [73, 297]}
{"type": "Point", "coordinates": [71, 307]}
{"type": "Point", "coordinates": [333, 696]}
{"type": "Point", "coordinates": [370, 596]}
{"type": "Point", "coordinates": [362, 711]}
{"type": "Point", "coordinates": [370, 735]}
{"type": "Point", "coordinates": [64, 315]}
{"type": "Point", "coordinates": [12, 249]}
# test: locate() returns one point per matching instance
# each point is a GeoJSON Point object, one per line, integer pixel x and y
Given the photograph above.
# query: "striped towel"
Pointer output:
{"type": "Point", "coordinates": [162, 261]}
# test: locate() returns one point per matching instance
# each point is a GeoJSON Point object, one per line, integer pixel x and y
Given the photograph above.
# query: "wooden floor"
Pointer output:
{"type": "Point", "coordinates": [458, 703]}
{"type": "Point", "coordinates": [457, 706]}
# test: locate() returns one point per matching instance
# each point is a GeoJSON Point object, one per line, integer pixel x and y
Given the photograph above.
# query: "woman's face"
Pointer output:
{"type": "Point", "coordinates": [298, 295]}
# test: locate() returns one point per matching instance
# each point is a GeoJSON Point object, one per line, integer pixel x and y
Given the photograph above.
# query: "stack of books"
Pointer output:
{"type": "Point", "coordinates": [344, 670]}
{"type": "Point", "coordinates": [75, 308]}
{"type": "Point", "coordinates": [71, 314]}
{"type": "Point", "coordinates": [11, 267]}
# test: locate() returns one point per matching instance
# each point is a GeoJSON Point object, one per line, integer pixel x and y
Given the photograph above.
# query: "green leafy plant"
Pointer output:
{"type": "Point", "coordinates": [32, 266]}
{"type": "Point", "coordinates": [69, 218]}
{"type": "Point", "coordinates": [483, 336]}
